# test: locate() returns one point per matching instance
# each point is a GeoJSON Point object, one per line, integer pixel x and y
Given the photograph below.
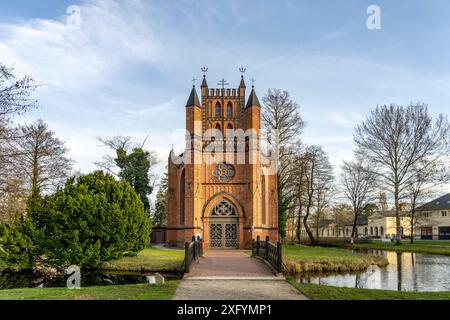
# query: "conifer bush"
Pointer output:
{"type": "Point", "coordinates": [94, 218]}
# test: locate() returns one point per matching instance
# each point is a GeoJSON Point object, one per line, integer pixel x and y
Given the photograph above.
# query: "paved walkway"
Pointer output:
{"type": "Point", "coordinates": [233, 275]}
{"type": "Point", "coordinates": [229, 263]}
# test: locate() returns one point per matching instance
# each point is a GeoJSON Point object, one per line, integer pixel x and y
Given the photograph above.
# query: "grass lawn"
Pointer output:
{"type": "Point", "coordinates": [124, 292]}
{"type": "Point", "coordinates": [300, 258]}
{"type": "Point", "coordinates": [419, 246]}
{"type": "Point", "coordinates": [321, 292]}
{"type": "Point", "coordinates": [149, 260]}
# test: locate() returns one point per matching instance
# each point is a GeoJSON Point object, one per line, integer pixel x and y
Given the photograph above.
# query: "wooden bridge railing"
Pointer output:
{"type": "Point", "coordinates": [268, 251]}
{"type": "Point", "coordinates": [192, 251]}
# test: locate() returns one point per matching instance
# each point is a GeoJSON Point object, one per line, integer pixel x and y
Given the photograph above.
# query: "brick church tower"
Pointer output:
{"type": "Point", "coordinates": [221, 187]}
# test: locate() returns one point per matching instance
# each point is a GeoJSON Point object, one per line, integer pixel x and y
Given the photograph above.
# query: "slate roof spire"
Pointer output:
{"type": "Point", "coordinates": [193, 98]}
{"type": "Point", "coordinates": [204, 83]}
{"type": "Point", "coordinates": [242, 84]}
{"type": "Point", "coordinates": [253, 100]}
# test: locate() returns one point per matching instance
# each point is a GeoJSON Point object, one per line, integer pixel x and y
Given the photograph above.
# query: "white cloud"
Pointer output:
{"type": "Point", "coordinates": [111, 35]}
{"type": "Point", "coordinates": [127, 71]}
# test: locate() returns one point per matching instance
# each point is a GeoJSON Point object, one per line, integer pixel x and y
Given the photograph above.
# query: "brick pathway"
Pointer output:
{"type": "Point", "coordinates": [233, 275]}
{"type": "Point", "coordinates": [229, 263]}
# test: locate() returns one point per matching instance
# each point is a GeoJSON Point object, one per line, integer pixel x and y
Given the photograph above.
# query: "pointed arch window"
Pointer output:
{"type": "Point", "coordinates": [218, 110]}
{"type": "Point", "coordinates": [263, 191]}
{"type": "Point", "coordinates": [230, 110]}
{"type": "Point", "coordinates": [218, 132]}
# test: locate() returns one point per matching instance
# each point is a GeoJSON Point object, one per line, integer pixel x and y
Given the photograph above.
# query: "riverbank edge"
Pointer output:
{"type": "Point", "coordinates": [324, 292]}
{"type": "Point", "coordinates": [148, 260]}
{"type": "Point", "coordinates": [357, 262]}
{"type": "Point", "coordinates": [405, 247]}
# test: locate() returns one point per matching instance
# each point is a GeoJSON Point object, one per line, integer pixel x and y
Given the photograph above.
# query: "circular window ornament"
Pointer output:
{"type": "Point", "coordinates": [224, 172]}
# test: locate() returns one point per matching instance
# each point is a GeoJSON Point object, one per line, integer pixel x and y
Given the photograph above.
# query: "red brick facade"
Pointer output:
{"type": "Point", "coordinates": [200, 189]}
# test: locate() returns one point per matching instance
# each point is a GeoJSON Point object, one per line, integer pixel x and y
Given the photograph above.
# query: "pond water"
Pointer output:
{"type": "Point", "coordinates": [26, 279]}
{"type": "Point", "coordinates": [406, 271]}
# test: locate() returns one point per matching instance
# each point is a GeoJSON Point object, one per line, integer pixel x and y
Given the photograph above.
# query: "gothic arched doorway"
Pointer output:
{"type": "Point", "coordinates": [223, 226]}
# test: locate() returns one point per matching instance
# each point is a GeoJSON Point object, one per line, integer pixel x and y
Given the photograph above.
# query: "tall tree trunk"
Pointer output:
{"type": "Point", "coordinates": [299, 225]}
{"type": "Point", "coordinates": [352, 238]}
{"type": "Point", "coordinates": [308, 230]}
{"type": "Point", "coordinates": [397, 216]}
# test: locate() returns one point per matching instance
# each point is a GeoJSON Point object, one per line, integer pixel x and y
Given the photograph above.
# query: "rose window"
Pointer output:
{"type": "Point", "coordinates": [224, 172]}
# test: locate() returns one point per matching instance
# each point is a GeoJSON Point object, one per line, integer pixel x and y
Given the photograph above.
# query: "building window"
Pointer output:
{"type": "Point", "coordinates": [182, 197]}
{"type": "Point", "coordinates": [229, 130]}
{"type": "Point", "coordinates": [365, 231]}
{"type": "Point", "coordinates": [229, 110]}
{"type": "Point", "coordinates": [224, 209]}
{"type": "Point", "coordinates": [218, 110]}
{"type": "Point", "coordinates": [426, 214]}
{"type": "Point", "coordinates": [218, 132]}
{"type": "Point", "coordinates": [443, 213]}
{"type": "Point", "coordinates": [376, 231]}
{"type": "Point", "coordinates": [371, 231]}
{"type": "Point", "coordinates": [381, 231]}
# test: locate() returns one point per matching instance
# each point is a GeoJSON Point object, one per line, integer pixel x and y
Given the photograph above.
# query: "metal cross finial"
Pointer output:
{"type": "Point", "coordinates": [193, 82]}
{"type": "Point", "coordinates": [223, 83]}
{"type": "Point", "coordinates": [253, 82]}
{"type": "Point", "coordinates": [242, 70]}
{"type": "Point", "coordinates": [204, 71]}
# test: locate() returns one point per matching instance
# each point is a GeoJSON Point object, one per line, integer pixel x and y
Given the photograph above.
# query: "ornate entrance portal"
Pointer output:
{"type": "Point", "coordinates": [223, 227]}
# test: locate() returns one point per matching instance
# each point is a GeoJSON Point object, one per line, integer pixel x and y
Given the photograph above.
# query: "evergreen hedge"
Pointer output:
{"type": "Point", "coordinates": [93, 219]}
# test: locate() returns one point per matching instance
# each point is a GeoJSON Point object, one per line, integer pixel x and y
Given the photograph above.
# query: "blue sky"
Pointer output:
{"type": "Point", "coordinates": [127, 70]}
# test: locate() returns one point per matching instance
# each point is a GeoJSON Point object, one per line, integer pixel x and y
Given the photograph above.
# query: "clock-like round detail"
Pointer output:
{"type": "Point", "coordinates": [224, 172]}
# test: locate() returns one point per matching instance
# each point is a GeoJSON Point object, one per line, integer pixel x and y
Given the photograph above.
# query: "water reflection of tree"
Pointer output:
{"type": "Point", "coordinates": [399, 271]}
{"type": "Point", "coordinates": [414, 271]}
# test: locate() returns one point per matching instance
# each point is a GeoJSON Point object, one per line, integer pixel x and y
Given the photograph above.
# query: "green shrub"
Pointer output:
{"type": "Point", "coordinates": [16, 243]}
{"type": "Point", "coordinates": [94, 218]}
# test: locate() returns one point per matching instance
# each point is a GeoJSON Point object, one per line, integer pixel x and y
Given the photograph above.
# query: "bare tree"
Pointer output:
{"type": "Point", "coordinates": [15, 98]}
{"type": "Point", "coordinates": [359, 187]}
{"type": "Point", "coordinates": [394, 140]}
{"type": "Point", "coordinates": [318, 178]}
{"type": "Point", "coordinates": [41, 157]}
{"type": "Point", "coordinates": [324, 194]}
{"type": "Point", "coordinates": [15, 94]}
{"type": "Point", "coordinates": [283, 126]}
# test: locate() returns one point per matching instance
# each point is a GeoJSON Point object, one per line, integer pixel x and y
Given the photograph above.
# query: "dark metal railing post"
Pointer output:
{"type": "Point", "coordinates": [257, 246]}
{"type": "Point", "coordinates": [200, 243]}
{"type": "Point", "coordinates": [253, 247]}
{"type": "Point", "coordinates": [266, 253]}
{"type": "Point", "coordinates": [280, 257]}
{"type": "Point", "coordinates": [195, 248]}
{"type": "Point", "coordinates": [186, 257]}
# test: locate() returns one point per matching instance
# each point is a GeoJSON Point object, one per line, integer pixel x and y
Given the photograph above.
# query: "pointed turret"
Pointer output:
{"type": "Point", "coordinates": [253, 100]}
{"type": "Point", "coordinates": [204, 83]}
{"type": "Point", "coordinates": [242, 84]}
{"type": "Point", "coordinates": [193, 99]}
